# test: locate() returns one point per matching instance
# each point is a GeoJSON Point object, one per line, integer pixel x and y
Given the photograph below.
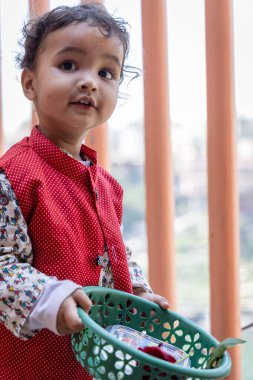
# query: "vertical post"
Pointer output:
{"type": "Point", "coordinates": [1, 115]}
{"type": "Point", "coordinates": [222, 179]}
{"type": "Point", "coordinates": [37, 8]}
{"type": "Point", "coordinates": [158, 171]}
{"type": "Point", "coordinates": [97, 138]}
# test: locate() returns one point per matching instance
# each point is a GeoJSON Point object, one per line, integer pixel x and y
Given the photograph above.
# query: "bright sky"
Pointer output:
{"type": "Point", "coordinates": [186, 40]}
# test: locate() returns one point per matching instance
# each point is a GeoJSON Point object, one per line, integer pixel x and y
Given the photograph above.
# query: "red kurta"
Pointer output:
{"type": "Point", "coordinates": [72, 213]}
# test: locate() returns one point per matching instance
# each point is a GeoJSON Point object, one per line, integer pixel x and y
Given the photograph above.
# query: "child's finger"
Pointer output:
{"type": "Point", "coordinates": [70, 321]}
{"type": "Point", "coordinates": [161, 301]}
{"type": "Point", "coordinates": [82, 300]}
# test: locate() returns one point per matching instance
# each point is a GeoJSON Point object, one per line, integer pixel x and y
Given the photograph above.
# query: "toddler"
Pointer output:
{"type": "Point", "coordinates": [60, 212]}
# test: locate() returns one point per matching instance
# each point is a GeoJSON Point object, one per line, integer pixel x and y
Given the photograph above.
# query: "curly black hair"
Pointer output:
{"type": "Point", "coordinates": [36, 30]}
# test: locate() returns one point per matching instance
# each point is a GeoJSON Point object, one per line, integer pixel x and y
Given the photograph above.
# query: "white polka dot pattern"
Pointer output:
{"type": "Point", "coordinates": [72, 213]}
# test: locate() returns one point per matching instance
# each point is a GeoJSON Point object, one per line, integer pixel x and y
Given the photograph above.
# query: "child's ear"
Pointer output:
{"type": "Point", "coordinates": [28, 84]}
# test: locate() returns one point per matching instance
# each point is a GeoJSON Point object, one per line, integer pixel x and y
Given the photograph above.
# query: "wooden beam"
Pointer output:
{"type": "Point", "coordinates": [37, 8]}
{"type": "Point", "coordinates": [1, 101]}
{"type": "Point", "coordinates": [158, 167]}
{"type": "Point", "coordinates": [222, 177]}
{"type": "Point", "coordinates": [92, 1]}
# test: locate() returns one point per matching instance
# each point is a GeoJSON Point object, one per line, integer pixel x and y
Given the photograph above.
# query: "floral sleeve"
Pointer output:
{"type": "Point", "coordinates": [136, 273]}
{"type": "Point", "coordinates": [20, 283]}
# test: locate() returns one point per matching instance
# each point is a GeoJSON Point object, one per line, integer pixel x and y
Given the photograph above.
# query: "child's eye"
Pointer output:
{"type": "Point", "coordinates": [68, 66]}
{"type": "Point", "coordinates": [104, 73]}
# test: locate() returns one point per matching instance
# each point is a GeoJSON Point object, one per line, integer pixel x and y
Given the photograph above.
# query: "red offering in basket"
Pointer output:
{"type": "Point", "coordinates": [158, 352]}
{"type": "Point", "coordinates": [150, 345]}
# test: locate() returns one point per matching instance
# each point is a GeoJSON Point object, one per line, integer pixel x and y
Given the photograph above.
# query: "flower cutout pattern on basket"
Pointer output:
{"type": "Point", "coordinates": [124, 362]}
{"type": "Point", "coordinates": [103, 351]}
{"type": "Point", "coordinates": [151, 373]}
{"type": "Point", "coordinates": [205, 353]}
{"type": "Point", "coordinates": [79, 342]}
{"type": "Point", "coordinates": [192, 342]}
{"type": "Point", "coordinates": [118, 376]}
{"type": "Point", "coordinates": [172, 331]}
{"type": "Point", "coordinates": [95, 367]}
{"type": "Point", "coordinates": [87, 334]}
{"type": "Point", "coordinates": [149, 320]}
{"type": "Point", "coordinates": [101, 309]}
{"type": "Point", "coordinates": [125, 311]}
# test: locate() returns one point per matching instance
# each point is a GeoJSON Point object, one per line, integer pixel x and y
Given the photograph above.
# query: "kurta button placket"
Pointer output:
{"type": "Point", "coordinates": [114, 253]}
{"type": "Point", "coordinates": [92, 174]}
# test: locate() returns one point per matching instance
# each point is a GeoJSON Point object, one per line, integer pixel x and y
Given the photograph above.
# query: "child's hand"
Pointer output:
{"type": "Point", "coordinates": [161, 301]}
{"type": "Point", "coordinates": [68, 321]}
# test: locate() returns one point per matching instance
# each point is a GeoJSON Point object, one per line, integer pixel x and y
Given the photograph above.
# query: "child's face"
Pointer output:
{"type": "Point", "coordinates": [75, 83]}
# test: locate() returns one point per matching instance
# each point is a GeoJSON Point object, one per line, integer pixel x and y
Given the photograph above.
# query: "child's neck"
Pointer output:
{"type": "Point", "coordinates": [72, 148]}
{"type": "Point", "coordinates": [80, 157]}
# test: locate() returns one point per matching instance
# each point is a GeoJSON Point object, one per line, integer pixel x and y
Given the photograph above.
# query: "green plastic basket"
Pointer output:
{"type": "Point", "coordinates": [105, 357]}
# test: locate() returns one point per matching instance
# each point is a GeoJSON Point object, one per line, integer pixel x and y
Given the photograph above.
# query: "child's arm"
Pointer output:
{"type": "Point", "coordinates": [20, 284]}
{"type": "Point", "coordinates": [161, 301]}
{"type": "Point", "coordinates": [137, 277]}
{"type": "Point", "coordinates": [140, 285]}
{"type": "Point", "coordinates": [46, 312]}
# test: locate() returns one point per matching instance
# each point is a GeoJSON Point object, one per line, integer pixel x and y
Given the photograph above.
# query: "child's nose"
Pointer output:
{"type": "Point", "coordinates": [87, 82]}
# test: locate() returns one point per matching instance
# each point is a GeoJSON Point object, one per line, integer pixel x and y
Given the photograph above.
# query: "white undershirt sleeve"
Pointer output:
{"type": "Point", "coordinates": [45, 311]}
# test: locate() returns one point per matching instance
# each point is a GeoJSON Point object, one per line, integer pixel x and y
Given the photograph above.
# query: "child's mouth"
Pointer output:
{"type": "Point", "coordinates": [84, 101]}
{"type": "Point", "coordinates": [83, 105]}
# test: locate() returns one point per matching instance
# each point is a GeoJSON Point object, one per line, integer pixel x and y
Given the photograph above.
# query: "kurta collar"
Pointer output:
{"type": "Point", "coordinates": [59, 160]}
